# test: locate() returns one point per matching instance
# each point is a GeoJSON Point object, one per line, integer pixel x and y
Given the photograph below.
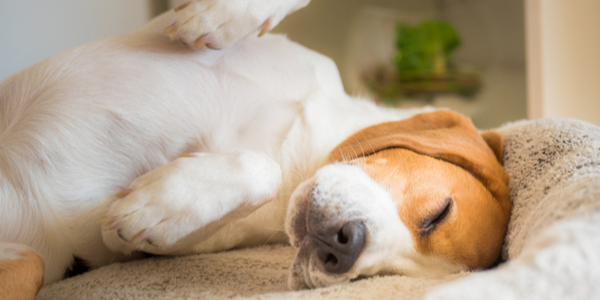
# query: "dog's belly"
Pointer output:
{"type": "Point", "coordinates": [125, 114]}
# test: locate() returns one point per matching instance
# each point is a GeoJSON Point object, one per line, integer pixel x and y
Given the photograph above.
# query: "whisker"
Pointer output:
{"type": "Point", "coordinates": [355, 154]}
{"type": "Point", "coordinates": [342, 153]}
{"type": "Point", "coordinates": [364, 163]}
{"type": "Point", "coordinates": [394, 170]}
{"type": "Point", "coordinates": [275, 228]}
{"type": "Point", "coordinates": [361, 148]}
{"type": "Point", "coordinates": [272, 235]}
{"type": "Point", "coordinates": [366, 139]}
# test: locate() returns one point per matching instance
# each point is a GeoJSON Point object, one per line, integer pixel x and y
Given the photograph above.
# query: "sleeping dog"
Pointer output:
{"type": "Point", "coordinates": [144, 144]}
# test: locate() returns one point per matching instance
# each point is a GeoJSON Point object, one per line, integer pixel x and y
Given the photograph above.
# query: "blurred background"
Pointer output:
{"type": "Point", "coordinates": [495, 61]}
{"type": "Point", "coordinates": [360, 35]}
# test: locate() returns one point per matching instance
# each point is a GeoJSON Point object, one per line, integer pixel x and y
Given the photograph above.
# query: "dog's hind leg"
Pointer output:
{"type": "Point", "coordinates": [21, 272]}
{"type": "Point", "coordinates": [177, 206]}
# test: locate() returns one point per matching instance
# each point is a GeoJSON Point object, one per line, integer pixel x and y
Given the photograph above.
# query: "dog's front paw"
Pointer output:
{"type": "Point", "coordinates": [163, 206]}
{"type": "Point", "coordinates": [157, 209]}
{"type": "Point", "coordinates": [216, 24]}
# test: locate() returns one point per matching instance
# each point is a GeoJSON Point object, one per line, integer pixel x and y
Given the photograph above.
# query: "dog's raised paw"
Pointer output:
{"type": "Point", "coordinates": [217, 24]}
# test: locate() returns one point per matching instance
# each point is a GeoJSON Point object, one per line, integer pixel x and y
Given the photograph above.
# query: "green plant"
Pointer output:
{"type": "Point", "coordinates": [425, 48]}
{"type": "Point", "coordinates": [423, 68]}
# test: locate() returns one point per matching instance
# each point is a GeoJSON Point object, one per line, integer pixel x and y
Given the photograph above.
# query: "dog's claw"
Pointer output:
{"type": "Point", "coordinates": [109, 223]}
{"type": "Point", "coordinates": [140, 237]}
{"type": "Point", "coordinates": [266, 27]}
{"type": "Point", "coordinates": [182, 6]}
{"type": "Point", "coordinates": [171, 31]}
{"type": "Point", "coordinates": [170, 28]}
{"type": "Point", "coordinates": [120, 234]}
{"type": "Point", "coordinates": [105, 223]}
{"type": "Point", "coordinates": [114, 225]}
{"type": "Point", "coordinates": [197, 44]}
{"type": "Point", "coordinates": [124, 193]}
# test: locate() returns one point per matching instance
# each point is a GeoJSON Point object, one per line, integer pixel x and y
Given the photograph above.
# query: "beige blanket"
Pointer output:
{"type": "Point", "coordinates": [259, 273]}
{"type": "Point", "coordinates": [552, 247]}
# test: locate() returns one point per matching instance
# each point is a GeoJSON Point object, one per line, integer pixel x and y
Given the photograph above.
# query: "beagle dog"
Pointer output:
{"type": "Point", "coordinates": [92, 170]}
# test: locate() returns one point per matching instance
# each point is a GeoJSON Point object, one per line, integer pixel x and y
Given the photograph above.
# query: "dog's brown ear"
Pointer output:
{"type": "Point", "coordinates": [495, 142]}
{"type": "Point", "coordinates": [442, 134]}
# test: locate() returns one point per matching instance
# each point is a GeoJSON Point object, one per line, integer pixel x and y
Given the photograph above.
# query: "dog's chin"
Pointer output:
{"type": "Point", "coordinates": [296, 230]}
{"type": "Point", "coordinates": [296, 218]}
{"type": "Point", "coordinates": [307, 271]}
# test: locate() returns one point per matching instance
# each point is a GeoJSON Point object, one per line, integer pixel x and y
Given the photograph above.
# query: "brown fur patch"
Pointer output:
{"type": "Point", "coordinates": [472, 232]}
{"type": "Point", "coordinates": [23, 277]}
{"type": "Point", "coordinates": [432, 157]}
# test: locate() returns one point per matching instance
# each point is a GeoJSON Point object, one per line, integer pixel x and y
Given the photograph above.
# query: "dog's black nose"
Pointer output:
{"type": "Point", "coordinates": [339, 248]}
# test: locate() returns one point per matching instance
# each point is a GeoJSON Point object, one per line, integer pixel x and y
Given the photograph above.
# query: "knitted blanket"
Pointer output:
{"type": "Point", "coordinates": [552, 248]}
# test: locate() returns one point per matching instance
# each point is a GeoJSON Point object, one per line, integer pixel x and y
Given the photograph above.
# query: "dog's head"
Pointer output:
{"type": "Point", "coordinates": [426, 196]}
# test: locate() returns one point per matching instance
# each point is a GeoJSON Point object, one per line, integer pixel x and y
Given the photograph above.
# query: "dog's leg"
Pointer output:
{"type": "Point", "coordinates": [21, 272]}
{"type": "Point", "coordinates": [216, 24]}
{"type": "Point", "coordinates": [167, 210]}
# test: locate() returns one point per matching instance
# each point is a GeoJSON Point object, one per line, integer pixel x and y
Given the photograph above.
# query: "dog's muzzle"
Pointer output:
{"type": "Point", "coordinates": [327, 227]}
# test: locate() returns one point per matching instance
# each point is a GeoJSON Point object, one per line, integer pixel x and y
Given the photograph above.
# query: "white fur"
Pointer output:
{"type": "Point", "coordinates": [10, 251]}
{"type": "Point", "coordinates": [261, 116]}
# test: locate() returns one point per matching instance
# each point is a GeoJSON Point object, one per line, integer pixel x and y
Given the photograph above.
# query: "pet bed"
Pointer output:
{"type": "Point", "coordinates": [552, 248]}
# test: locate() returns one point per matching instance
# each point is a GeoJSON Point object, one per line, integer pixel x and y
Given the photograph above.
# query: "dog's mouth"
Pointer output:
{"type": "Point", "coordinates": [309, 269]}
{"type": "Point", "coordinates": [313, 230]}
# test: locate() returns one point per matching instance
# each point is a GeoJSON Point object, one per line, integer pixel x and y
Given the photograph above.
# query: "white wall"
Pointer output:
{"type": "Point", "coordinates": [563, 52]}
{"type": "Point", "coordinates": [33, 30]}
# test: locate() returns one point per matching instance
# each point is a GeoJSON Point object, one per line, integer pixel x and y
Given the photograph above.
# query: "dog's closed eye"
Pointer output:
{"type": "Point", "coordinates": [430, 223]}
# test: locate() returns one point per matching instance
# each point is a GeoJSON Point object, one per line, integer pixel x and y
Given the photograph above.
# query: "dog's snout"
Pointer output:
{"type": "Point", "coordinates": [339, 248]}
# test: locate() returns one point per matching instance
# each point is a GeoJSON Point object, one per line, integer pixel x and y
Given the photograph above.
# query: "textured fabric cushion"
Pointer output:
{"type": "Point", "coordinates": [552, 246]}
{"type": "Point", "coordinates": [553, 240]}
